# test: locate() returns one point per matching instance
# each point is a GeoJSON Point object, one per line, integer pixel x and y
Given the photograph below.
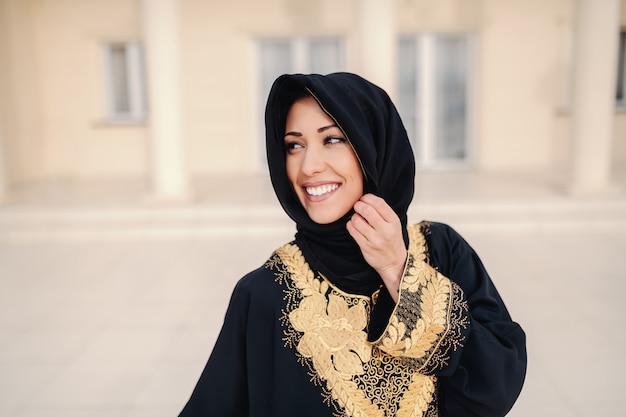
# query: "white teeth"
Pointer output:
{"type": "Point", "coordinates": [322, 189]}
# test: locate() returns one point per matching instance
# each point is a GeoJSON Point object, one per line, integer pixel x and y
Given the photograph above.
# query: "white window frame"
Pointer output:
{"type": "Point", "coordinates": [135, 89]}
{"type": "Point", "coordinates": [424, 138]}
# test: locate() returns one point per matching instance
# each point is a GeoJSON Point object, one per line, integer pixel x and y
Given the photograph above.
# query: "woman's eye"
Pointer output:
{"type": "Point", "coordinates": [291, 146]}
{"type": "Point", "coordinates": [331, 140]}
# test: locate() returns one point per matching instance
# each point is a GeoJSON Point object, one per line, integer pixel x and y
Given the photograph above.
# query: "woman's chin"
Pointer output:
{"type": "Point", "coordinates": [326, 216]}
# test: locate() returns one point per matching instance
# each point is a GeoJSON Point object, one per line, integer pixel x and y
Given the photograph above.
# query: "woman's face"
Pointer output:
{"type": "Point", "coordinates": [321, 164]}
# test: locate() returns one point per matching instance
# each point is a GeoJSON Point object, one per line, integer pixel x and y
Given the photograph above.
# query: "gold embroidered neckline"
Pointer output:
{"type": "Point", "coordinates": [327, 327]}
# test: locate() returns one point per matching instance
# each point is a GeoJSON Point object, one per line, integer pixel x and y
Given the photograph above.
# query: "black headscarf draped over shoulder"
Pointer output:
{"type": "Point", "coordinates": [372, 125]}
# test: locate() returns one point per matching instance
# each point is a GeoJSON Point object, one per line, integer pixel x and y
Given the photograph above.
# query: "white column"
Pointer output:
{"type": "Point", "coordinates": [595, 64]}
{"type": "Point", "coordinates": [161, 39]}
{"type": "Point", "coordinates": [376, 42]}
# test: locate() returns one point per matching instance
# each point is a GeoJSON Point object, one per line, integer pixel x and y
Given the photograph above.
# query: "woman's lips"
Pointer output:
{"type": "Point", "coordinates": [318, 192]}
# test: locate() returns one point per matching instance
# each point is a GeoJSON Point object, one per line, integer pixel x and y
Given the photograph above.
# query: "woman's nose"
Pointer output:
{"type": "Point", "coordinates": [313, 161]}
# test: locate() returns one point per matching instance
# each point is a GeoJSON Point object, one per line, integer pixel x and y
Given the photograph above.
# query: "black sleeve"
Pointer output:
{"type": "Point", "coordinates": [487, 375]}
{"type": "Point", "coordinates": [222, 387]}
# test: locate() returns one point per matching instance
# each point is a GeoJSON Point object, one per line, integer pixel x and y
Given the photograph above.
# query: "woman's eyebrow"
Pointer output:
{"type": "Point", "coordinates": [321, 129]}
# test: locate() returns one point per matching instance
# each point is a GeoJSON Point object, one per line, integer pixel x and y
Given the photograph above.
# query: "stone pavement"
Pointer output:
{"type": "Point", "coordinates": [110, 303]}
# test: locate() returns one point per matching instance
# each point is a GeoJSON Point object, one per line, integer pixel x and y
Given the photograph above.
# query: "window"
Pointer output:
{"type": "Point", "coordinates": [279, 56]}
{"type": "Point", "coordinates": [620, 93]}
{"type": "Point", "coordinates": [125, 83]}
{"type": "Point", "coordinates": [306, 55]}
{"type": "Point", "coordinates": [434, 96]}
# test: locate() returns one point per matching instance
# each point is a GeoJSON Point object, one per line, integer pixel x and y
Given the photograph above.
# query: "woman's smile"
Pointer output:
{"type": "Point", "coordinates": [317, 192]}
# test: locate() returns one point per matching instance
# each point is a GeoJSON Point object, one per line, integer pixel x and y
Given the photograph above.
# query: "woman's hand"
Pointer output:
{"type": "Point", "coordinates": [377, 230]}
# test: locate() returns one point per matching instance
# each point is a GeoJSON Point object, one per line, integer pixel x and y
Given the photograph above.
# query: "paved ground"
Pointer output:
{"type": "Point", "coordinates": [110, 306]}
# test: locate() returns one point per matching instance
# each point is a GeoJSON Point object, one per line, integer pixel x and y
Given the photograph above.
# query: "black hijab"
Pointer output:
{"type": "Point", "coordinates": [371, 123]}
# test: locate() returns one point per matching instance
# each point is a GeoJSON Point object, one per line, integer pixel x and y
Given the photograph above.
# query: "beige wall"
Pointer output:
{"type": "Point", "coordinates": [56, 127]}
{"type": "Point", "coordinates": [52, 102]}
{"type": "Point", "coordinates": [522, 76]}
{"type": "Point", "coordinates": [84, 143]}
{"type": "Point", "coordinates": [619, 141]}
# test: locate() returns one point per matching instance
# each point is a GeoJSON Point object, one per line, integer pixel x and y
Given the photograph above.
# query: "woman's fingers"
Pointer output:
{"type": "Point", "coordinates": [356, 227]}
{"type": "Point", "coordinates": [377, 230]}
{"type": "Point", "coordinates": [378, 235]}
{"type": "Point", "coordinates": [374, 204]}
{"type": "Point", "coordinates": [375, 220]}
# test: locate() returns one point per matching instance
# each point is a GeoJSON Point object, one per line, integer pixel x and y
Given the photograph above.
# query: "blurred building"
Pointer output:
{"type": "Point", "coordinates": [168, 91]}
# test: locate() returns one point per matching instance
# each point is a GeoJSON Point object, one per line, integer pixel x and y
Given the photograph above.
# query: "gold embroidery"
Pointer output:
{"type": "Point", "coordinates": [414, 335]}
{"type": "Point", "coordinates": [334, 331]}
{"type": "Point", "coordinates": [328, 329]}
{"type": "Point", "coordinates": [429, 317]}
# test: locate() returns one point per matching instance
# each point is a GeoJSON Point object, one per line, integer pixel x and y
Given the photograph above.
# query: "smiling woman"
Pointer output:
{"type": "Point", "coordinates": [361, 314]}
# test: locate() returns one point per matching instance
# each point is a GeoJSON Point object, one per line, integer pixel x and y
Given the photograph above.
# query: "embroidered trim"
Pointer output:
{"type": "Point", "coordinates": [430, 316]}
{"type": "Point", "coordinates": [328, 330]}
